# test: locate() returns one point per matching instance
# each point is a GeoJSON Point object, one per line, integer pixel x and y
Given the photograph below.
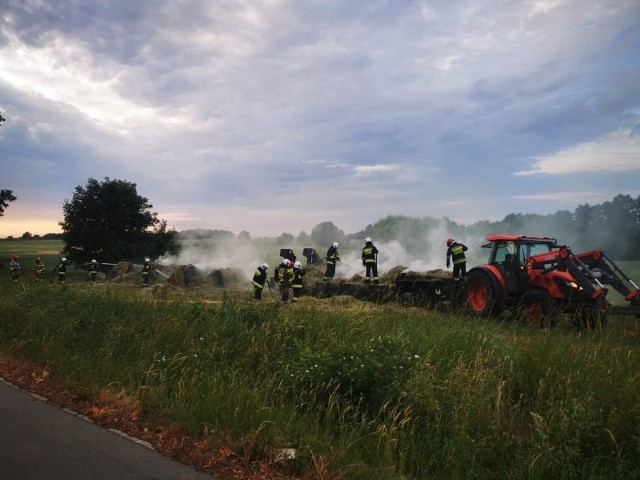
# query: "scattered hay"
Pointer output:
{"type": "Point", "coordinates": [161, 292]}
{"type": "Point", "coordinates": [389, 276]}
{"type": "Point", "coordinates": [430, 274]}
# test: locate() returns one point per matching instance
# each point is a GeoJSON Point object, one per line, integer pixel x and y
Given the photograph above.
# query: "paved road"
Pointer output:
{"type": "Point", "coordinates": [39, 441]}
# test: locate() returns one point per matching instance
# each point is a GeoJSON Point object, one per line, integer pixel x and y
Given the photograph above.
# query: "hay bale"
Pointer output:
{"type": "Point", "coordinates": [120, 270]}
{"type": "Point", "coordinates": [314, 273]}
{"type": "Point", "coordinates": [225, 277]}
{"type": "Point", "coordinates": [184, 275]}
{"type": "Point", "coordinates": [390, 275]}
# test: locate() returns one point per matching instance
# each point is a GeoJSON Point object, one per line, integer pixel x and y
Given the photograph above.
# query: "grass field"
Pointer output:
{"type": "Point", "coordinates": [359, 391]}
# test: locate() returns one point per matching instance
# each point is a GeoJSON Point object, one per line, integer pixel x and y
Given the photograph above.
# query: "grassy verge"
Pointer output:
{"type": "Point", "coordinates": [359, 391]}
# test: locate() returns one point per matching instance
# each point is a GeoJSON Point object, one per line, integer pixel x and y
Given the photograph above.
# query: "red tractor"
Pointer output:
{"type": "Point", "coordinates": [540, 279]}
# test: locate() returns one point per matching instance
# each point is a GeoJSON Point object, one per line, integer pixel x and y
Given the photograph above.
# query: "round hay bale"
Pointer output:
{"type": "Point", "coordinates": [191, 274]}
{"type": "Point", "coordinates": [224, 277]}
{"type": "Point", "coordinates": [120, 270]}
{"type": "Point", "coordinates": [182, 275]}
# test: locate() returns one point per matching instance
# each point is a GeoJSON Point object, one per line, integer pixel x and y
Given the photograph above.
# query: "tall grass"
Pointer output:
{"type": "Point", "coordinates": [359, 392]}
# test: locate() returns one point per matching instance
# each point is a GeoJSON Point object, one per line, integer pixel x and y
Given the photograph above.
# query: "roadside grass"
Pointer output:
{"type": "Point", "coordinates": [360, 391]}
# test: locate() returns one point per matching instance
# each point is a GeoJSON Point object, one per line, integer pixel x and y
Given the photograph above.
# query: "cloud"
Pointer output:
{"type": "Point", "coordinates": [270, 116]}
{"type": "Point", "coordinates": [616, 151]}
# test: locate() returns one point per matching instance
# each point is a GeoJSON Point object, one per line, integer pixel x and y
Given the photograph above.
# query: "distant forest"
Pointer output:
{"type": "Point", "coordinates": [612, 226]}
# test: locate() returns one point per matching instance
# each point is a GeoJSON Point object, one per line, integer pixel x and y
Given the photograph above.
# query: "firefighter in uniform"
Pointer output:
{"type": "Point", "coordinates": [61, 268]}
{"type": "Point", "coordinates": [285, 274]}
{"type": "Point", "coordinates": [296, 283]}
{"type": "Point", "coordinates": [370, 261]}
{"type": "Point", "coordinates": [146, 271]}
{"type": "Point", "coordinates": [14, 267]}
{"type": "Point", "coordinates": [94, 268]}
{"type": "Point", "coordinates": [38, 270]}
{"type": "Point", "coordinates": [455, 253]}
{"type": "Point", "coordinates": [259, 277]}
{"type": "Point", "coordinates": [332, 258]}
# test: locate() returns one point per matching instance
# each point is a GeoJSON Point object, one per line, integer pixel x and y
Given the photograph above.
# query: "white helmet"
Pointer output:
{"type": "Point", "coordinates": [94, 261]}
{"type": "Point", "coordinates": [285, 262]}
{"type": "Point", "coordinates": [297, 265]}
{"type": "Point", "coordinates": [265, 266]}
{"type": "Point", "coordinates": [63, 259]}
{"type": "Point", "coordinates": [335, 244]}
{"type": "Point", "coordinates": [367, 240]}
{"type": "Point", "coordinates": [147, 259]}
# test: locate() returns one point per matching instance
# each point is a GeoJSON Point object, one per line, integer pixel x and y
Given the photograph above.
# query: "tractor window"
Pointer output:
{"type": "Point", "coordinates": [505, 254]}
{"type": "Point", "coordinates": [534, 249]}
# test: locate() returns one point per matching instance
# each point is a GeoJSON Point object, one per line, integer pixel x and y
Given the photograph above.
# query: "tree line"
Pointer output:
{"type": "Point", "coordinates": [612, 226]}
{"type": "Point", "coordinates": [110, 220]}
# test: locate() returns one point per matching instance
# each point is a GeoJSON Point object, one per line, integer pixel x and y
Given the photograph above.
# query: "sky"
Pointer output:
{"type": "Point", "coordinates": [273, 116]}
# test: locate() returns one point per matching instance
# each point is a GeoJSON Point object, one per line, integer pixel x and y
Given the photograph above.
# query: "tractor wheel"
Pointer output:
{"type": "Point", "coordinates": [538, 308]}
{"type": "Point", "coordinates": [482, 300]}
{"type": "Point", "coordinates": [592, 316]}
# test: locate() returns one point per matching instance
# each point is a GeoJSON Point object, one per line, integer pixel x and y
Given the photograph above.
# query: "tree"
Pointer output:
{"type": "Point", "coordinates": [325, 233]}
{"type": "Point", "coordinates": [110, 221]}
{"type": "Point", "coordinates": [6, 197]}
{"type": "Point", "coordinates": [285, 238]}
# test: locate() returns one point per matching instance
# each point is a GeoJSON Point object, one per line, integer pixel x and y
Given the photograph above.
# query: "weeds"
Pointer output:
{"type": "Point", "coordinates": [358, 393]}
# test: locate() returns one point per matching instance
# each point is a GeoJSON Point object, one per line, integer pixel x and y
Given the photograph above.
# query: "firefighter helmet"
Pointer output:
{"type": "Point", "coordinates": [450, 241]}
{"type": "Point", "coordinates": [367, 240]}
{"type": "Point", "coordinates": [63, 259]}
{"type": "Point", "coordinates": [265, 266]}
{"type": "Point", "coordinates": [335, 245]}
{"type": "Point", "coordinates": [94, 261]}
{"type": "Point", "coordinates": [297, 265]}
{"type": "Point", "coordinates": [147, 259]}
{"type": "Point", "coordinates": [285, 262]}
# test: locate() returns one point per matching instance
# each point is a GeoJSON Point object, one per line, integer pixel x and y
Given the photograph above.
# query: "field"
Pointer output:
{"type": "Point", "coordinates": [352, 390]}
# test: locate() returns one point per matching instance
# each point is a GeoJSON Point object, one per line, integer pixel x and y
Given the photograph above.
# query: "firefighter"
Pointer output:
{"type": "Point", "coordinates": [61, 268]}
{"type": "Point", "coordinates": [146, 271]}
{"type": "Point", "coordinates": [94, 268]}
{"type": "Point", "coordinates": [38, 270]}
{"type": "Point", "coordinates": [259, 278]}
{"type": "Point", "coordinates": [284, 279]}
{"type": "Point", "coordinates": [455, 252]}
{"type": "Point", "coordinates": [332, 258]}
{"type": "Point", "coordinates": [370, 261]}
{"type": "Point", "coordinates": [14, 268]}
{"type": "Point", "coordinates": [296, 283]}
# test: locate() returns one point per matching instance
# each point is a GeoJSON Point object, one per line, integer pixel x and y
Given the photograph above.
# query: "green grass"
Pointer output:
{"type": "Point", "coordinates": [361, 392]}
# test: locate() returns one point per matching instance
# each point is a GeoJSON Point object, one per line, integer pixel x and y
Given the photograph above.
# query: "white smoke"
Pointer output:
{"type": "Point", "coordinates": [432, 256]}
{"type": "Point", "coordinates": [209, 255]}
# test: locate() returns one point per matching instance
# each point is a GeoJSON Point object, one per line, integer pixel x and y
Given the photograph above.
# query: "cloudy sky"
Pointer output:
{"type": "Point", "coordinates": [275, 115]}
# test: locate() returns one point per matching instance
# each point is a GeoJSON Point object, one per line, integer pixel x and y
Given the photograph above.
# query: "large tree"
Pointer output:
{"type": "Point", "coordinates": [325, 233]}
{"type": "Point", "coordinates": [109, 221]}
{"type": "Point", "coordinates": [6, 197]}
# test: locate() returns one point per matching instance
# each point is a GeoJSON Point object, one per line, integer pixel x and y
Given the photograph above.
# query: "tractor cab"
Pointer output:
{"type": "Point", "coordinates": [509, 254]}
